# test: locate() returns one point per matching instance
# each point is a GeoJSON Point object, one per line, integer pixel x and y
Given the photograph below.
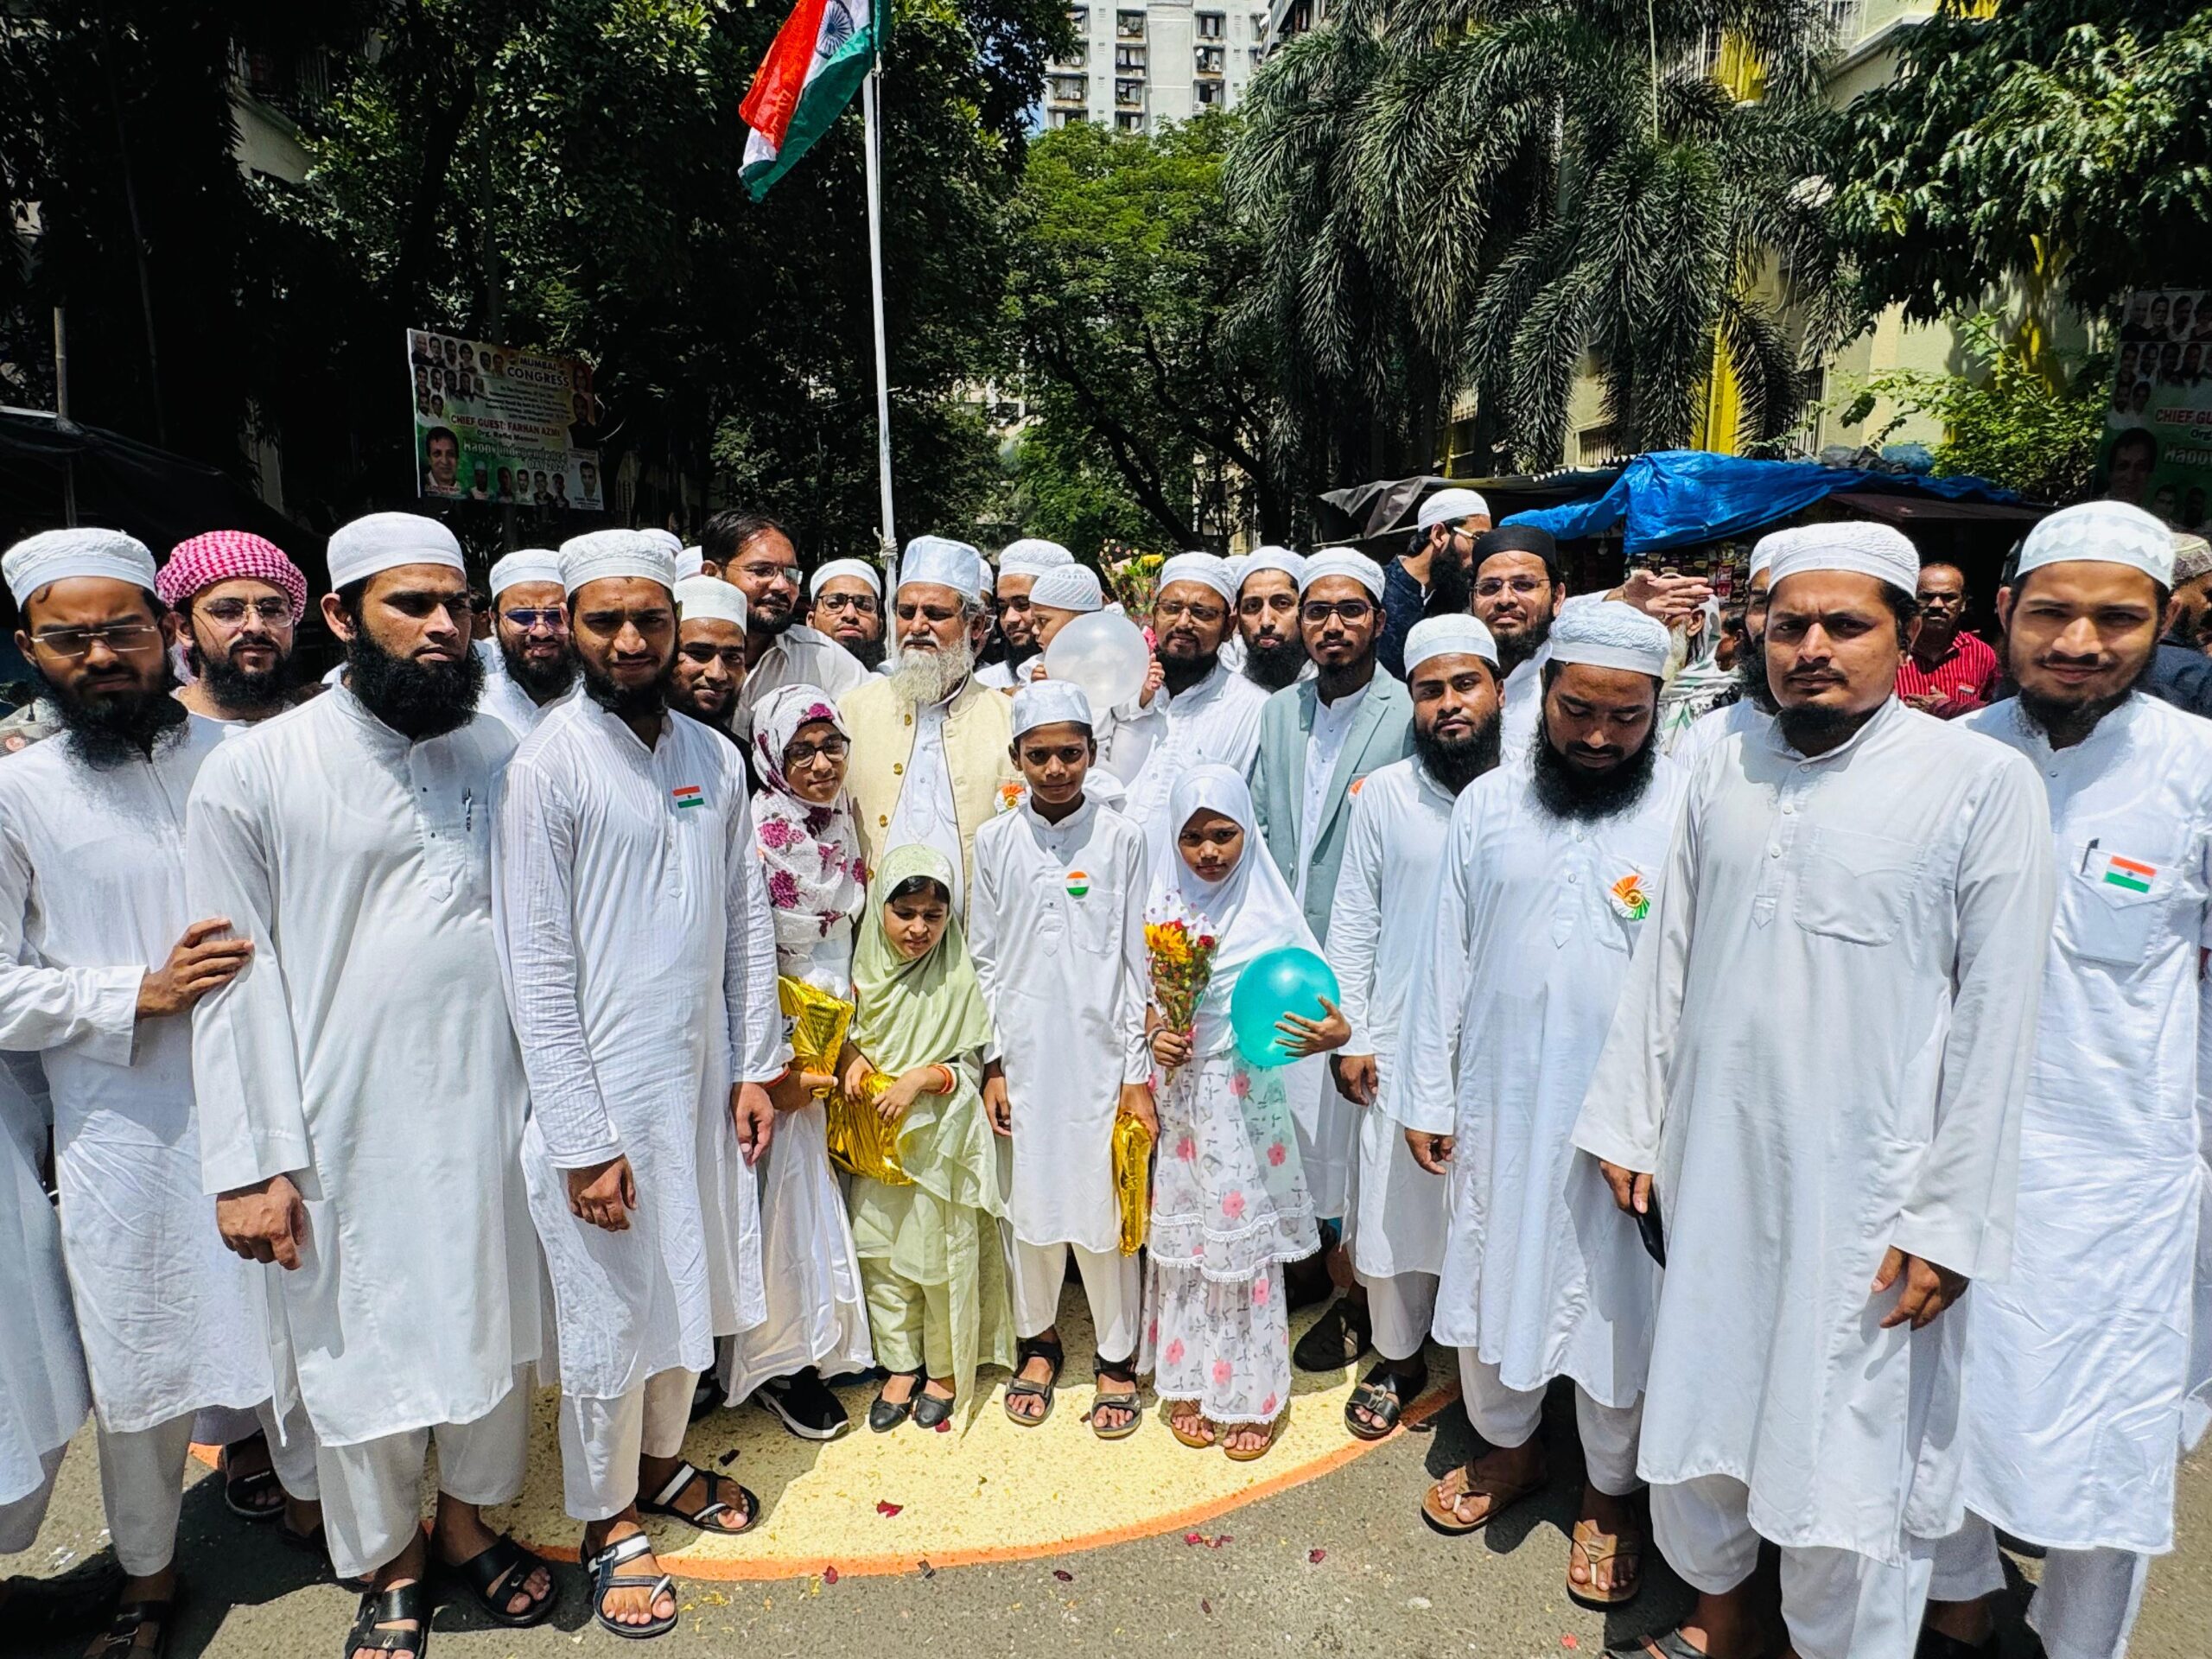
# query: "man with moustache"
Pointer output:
{"type": "Point", "coordinates": [1518, 589]}
{"type": "Point", "coordinates": [1267, 619]}
{"type": "Point", "coordinates": [639, 961]}
{"type": "Point", "coordinates": [1754, 704]}
{"type": "Point", "coordinates": [1213, 712]}
{"type": "Point", "coordinates": [362, 1095]}
{"type": "Point", "coordinates": [753, 552]}
{"type": "Point", "coordinates": [237, 600]}
{"type": "Point", "coordinates": [1379, 924]}
{"type": "Point", "coordinates": [846, 600]}
{"type": "Point", "coordinates": [101, 961]}
{"type": "Point", "coordinates": [1947, 672]}
{"type": "Point", "coordinates": [1019, 565]}
{"type": "Point", "coordinates": [1548, 876]}
{"type": "Point", "coordinates": [931, 748]}
{"type": "Point", "coordinates": [709, 668]}
{"type": "Point", "coordinates": [1831, 1172]}
{"type": "Point", "coordinates": [1434, 575]}
{"type": "Point", "coordinates": [532, 665]}
{"type": "Point", "coordinates": [2078, 1366]}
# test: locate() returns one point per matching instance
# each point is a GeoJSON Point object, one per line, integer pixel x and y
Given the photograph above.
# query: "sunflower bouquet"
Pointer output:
{"type": "Point", "coordinates": [1180, 943]}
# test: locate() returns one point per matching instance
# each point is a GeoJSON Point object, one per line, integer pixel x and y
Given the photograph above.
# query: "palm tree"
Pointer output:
{"type": "Point", "coordinates": [1474, 194]}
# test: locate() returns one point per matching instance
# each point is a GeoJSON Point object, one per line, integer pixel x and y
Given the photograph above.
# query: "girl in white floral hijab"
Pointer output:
{"type": "Point", "coordinates": [810, 851]}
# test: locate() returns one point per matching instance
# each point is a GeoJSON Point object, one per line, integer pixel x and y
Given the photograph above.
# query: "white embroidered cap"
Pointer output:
{"type": "Point", "coordinates": [1866, 550]}
{"type": "Point", "coordinates": [1610, 634]}
{"type": "Point", "coordinates": [525, 564]}
{"type": "Point", "coordinates": [58, 555]}
{"type": "Point", "coordinates": [709, 596]}
{"type": "Point", "coordinates": [1342, 561]}
{"type": "Point", "coordinates": [384, 540]}
{"type": "Point", "coordinates": [1208, 567]}
{"type": "Point", "coordinates": [1048, 702]}
{"type": "Point", "coordinates": [947, 563]}
{"type": "Point", "coordinates": [2108, 532]}
{"type": "Point", "coordinates": [604, 554]}
{"type": "Point", "coordinates": [1449, 636]}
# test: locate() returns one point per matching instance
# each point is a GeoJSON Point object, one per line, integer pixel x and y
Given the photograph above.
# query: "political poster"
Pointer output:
{"type": "Point", "coordinates": [494, 423]}
{"type": "Point", "coordinates": [2156, 450]}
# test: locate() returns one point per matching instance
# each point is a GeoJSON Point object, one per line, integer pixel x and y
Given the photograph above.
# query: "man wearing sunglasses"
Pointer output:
{"type": "Point", "coordinates": [1319, 739]}
{"type": "Point", "coordinates": [535, 662]}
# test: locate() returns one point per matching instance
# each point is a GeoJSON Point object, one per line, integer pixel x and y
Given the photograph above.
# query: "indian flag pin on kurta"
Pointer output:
{"type": "Point", "coordinates": [2129, 874]}
{"type": "Point", "coordinates": [687, 795]}
{"type": "Point", "coordinates": [1078, 884]}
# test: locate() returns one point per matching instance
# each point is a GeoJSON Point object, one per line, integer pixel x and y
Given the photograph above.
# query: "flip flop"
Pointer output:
{"type": "Point", "coordinates": [1594, 1547]}
{"type": "Point", "coordinates": [238, 1490]}
{"type": "Point", "coordinates": [1195, 1442]}
{"type": "Point", "coordinates": [664, 1502]}
{"type": "Point", "coordinates": [1019, 1388]}
{"type": "Point", "coordinates": [605, 1579]}
{"type": "Point", "coordinates": [498, 1571]}
{"type": "Point", "coordinates": [1442, 1511]}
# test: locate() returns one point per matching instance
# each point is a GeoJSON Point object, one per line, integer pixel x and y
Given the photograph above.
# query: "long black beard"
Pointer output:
{"type": "Point", "coordinates": [1812, 727]}
{"type": "Point", "coordinates": [541, 684]}
{"type": "Point", "coordinates": [1513, 650]}
{"type": "Point", "coordinates": [417, 700]}
{"type": "Point", "coordinates": [2066, 723]}
{"type": "Point", "coordinates": [1750, 676]}
{"type": "Point", "coordinates": [118, 730]}
{"type": "Point", "coordinates": [1567, 791]}
{"type": "Point", "coordinates": [1015, 660]}
{"type": "Point", "coordinates": [1451, 587]}
{"type": "Point", "coordinates": [1456, 765]}
{"type": "Point", "coordinates": [1276, 665]}
{"type": "Point", "coordinates": [628, 702]}
{"type": "Point", "coordinates": [868, 653]}
{"type": "Point", "coordinates": [1180, 676]}
{"type": "Point", "coordinates": [253, 694]}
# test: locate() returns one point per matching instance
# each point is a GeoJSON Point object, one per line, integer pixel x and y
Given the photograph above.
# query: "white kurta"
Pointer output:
{"type": "Point", "coordinates": [366, 1052]}
{"type": "Point", "coordinates": [800, 656]}
{"type": "Point", "coordinates": [43, 1395]}
{"type": "Point", "coordinates": [925, 811]}
{"type": "Point", "coordinates": [1820, 1052]}
{"type": "Point", "coordinates": [1332, 721]}
{"type": "Point", "coordinates": [1057, 932]}
{"type": "Point", "coordinates": [91, 895]}
{"type": "Point", "coordinates": [640, 966]}
{"type": "Point", "coordinates": [1535, 917]}
{"type": "Point", "coordinates": [1521, 706]}
{"type": "Point", "coordinates": [1215, 720]}
{"type": "Point", "coordinates": [1379, 925]}
{"type": "Point", "coordinates": [508, 703]}
{"type": "Point", "coordinates": [1736, 719]}
{"type": "Point", "coordinates": [2078, 1365]}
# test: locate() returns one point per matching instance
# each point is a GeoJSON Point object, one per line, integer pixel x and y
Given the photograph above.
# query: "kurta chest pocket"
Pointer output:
{"type": "Point", "coordinates": [2109, 906]}
{"type": "Point", "coordinates": [1853, 886]}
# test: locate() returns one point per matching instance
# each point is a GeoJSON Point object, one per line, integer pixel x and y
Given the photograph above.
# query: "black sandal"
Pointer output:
{"type": "Point", "coordinates": [1019, 1388]}
{"type": "Point", "coordinates": [1125, 1398]}
{"type": "Point", "coordinates": [410, 1602]}
{"type": "Point", "coordinates": [1335, 1340]}
{"type": "Point", "coordinates": [498, 1572]}
{"type": "Point", "coordinates": [131, 1616]}
{"type": "Point", "coordinates": [887, 1414]}
{"type": "Point", "coordinates": [238, 1490]}
{"type": "Point", "coordinates": [605, 1579]}
{"type": "Point", "coordinates": [664, 1502]}
{"type": "Point", "coordinates": [1382, 1393]}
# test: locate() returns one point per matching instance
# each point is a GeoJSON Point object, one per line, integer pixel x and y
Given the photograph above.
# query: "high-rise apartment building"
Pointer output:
{"type": "Point", "coordinates": [1136, 66]}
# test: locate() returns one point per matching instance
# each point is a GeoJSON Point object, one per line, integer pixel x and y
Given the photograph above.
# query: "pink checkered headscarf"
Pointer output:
{"type": "Point", "coordinates": [197, 565]}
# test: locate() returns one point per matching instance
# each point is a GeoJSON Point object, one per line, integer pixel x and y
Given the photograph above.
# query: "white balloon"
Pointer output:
{"type": "Point", "coordinates": [1105, 654]}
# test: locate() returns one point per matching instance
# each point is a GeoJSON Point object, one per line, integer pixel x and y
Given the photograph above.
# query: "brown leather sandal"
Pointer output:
{"type": "Point", "coordinates": [1440, 1508]}
{"type": "Point", "coordinates": [1593, 1547]}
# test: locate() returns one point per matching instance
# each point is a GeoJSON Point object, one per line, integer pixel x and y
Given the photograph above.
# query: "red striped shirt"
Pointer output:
{"type": "Point", "coordinates": [1965, 677]}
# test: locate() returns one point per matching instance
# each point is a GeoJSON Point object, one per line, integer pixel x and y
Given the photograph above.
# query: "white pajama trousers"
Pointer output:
{"type": "Point", "coordinates": [2084, 1607]}
{"type": "Point", "coordinates": [602, 1440]}
{"type": "Point", "coordinates": [1838, 1603]}
{"type": "Point", "coordinates": [1112, 1283]}
{"type": "Point", "coordinates": [21, 1519]}
{"type": "Point", "coordinates": [291, 1440]}
{"type": "Point", "coordinates": [1399, 1308]}
{"type": "Point", "coordinates": [371, 1492]}
{"type": "Point", "coordinates": [1508, 1419]}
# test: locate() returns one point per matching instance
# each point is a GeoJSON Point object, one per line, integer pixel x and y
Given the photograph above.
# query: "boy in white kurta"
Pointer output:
{"type": "Point", "coordinates": [1379, 926]}
{"type": "Point", "coordinates": [1819, 1060]}
{"type": "Point", "coordinates": [1056, 934]}
{"type": "Point", "coordinates": [2079, 1374]}
{"type": "Point", "coordinates": [639, 961]}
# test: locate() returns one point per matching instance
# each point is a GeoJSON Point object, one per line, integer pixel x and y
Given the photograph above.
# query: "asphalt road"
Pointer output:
{"type": "Point", "coordinates": [1340, 1565]}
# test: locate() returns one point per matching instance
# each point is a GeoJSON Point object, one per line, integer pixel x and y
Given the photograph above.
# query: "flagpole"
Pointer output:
{"type": "Point", "coordinates": [888, 550]}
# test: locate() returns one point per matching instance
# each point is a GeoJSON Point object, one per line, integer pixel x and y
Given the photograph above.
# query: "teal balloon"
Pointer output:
{"type": "Point", "coordinates": [1288, 980]}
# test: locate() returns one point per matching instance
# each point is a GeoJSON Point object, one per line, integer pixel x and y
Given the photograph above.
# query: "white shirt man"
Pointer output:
{"type": "Point", "coordinates": [1019, 565]}
{"type": "Point", "coordinates": [1818, 1058]}
{"type": "Point", "coordinates": [2079, 1370]}
{"type": "Point", "coordinates": [641, 966]}
{"type": "Point", "coordinates": [530, 665]}
{"type": "Point", "coordinates": [1545, 884]}
{"type": "Point", "coordinates": [43, 1393]}
{"type": "Point", "coordinates": [756, 554]}
{"type": "Point", "coordinates": [363, 1092]}
{"type": "Point", "coordinates": [101, 962]}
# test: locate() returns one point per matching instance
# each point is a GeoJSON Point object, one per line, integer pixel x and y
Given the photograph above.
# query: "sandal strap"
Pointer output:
{"type": "Point", "coordinates": [1022, 1385]}
{"type": "Point", "coordinates": [685, 1474]}
{"type": "Point", "coordinates": [612, 1556]}
{"type": "Point", "coordinates": [1598, 1545]}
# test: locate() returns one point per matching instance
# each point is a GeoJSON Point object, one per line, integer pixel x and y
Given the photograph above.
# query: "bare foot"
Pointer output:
{"type": "Point", "coordinates": [630, 1604]}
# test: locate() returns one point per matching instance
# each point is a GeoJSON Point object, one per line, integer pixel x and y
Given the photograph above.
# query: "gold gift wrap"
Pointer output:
{"type": "Point", "coordinates": [859, 1140]}
{"type": "Point", "coordinates": [819, 1022]}
{"type": "Point", "coordinates": [1133, 1180]}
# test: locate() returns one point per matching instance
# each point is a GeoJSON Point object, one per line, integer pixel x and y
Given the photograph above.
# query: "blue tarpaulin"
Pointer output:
{"type": "Point", "coordinates": [1674, 498]}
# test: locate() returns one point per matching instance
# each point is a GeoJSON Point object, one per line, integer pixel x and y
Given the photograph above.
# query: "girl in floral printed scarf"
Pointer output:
{"type": "Point", "coordinates": [810, 851]}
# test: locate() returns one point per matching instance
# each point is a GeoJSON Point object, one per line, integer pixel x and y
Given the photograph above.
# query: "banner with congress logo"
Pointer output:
{"type": "Point", "coordinates": [2156, 450]}
{"type": "Point", "coordinates": [493, 423]}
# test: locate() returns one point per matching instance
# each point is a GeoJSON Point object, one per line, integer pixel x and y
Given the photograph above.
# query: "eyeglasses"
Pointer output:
{"type": "Point", "coordinates": [1259, 602]}
{"type": "Point", "coordinates": [1175, 609]}
{"type": "Point", "coordinates": [1491, 586]}
{"type": "Point", "coordinates": [908, 610]}
{"type": "Point", "coordinates": [552, 618]}
{"type": "Point", "coordinates": [803, 754]}
{"type": "Point", "coordinates": [118, 637]}
{"type": "Point", "coordinates": [231, 611]}
{"type": "Point", "coordinates": [1316, 613]}
{"type": "Point", "coordinates": [863, 604]}
{"type": "Point", "coordinates": [784, 575]}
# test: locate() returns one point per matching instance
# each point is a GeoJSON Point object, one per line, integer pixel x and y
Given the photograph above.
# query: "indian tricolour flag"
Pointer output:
{"type": "Point", "coordinates": [811, 73]}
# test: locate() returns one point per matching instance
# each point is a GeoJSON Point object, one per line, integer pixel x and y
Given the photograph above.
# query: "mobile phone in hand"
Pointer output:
{"type": "Point", "coordinates": [1651, 1229]}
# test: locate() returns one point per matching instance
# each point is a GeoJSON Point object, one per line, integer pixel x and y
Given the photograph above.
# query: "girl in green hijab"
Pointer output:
{"type": "Point", "coordinates": [929, 1252]}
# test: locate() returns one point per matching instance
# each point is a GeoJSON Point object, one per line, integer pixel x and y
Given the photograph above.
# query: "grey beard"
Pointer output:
{"type": "Point", "coordinates": [922, 677]}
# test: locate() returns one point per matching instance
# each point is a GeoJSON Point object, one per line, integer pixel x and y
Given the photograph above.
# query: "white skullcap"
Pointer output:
{"type": "Point", "coordinates": [1273, 558]}
{"type": "Point", "coordinates": [1865, 549]}
{"type": "Point", "coordinates": [1238, 563]}
{"type": "Point", "coordinates": [1610, 634]}
{"type": "Point", "coordinates": [603, 553]}
{"type": "Point", "coordinates": [1069, 587]}
{"type": "Point", "coordinates": [709, 596]}
{"type": "Point", "coordinates": [2109, 532]}
{"type": "Point", "coordinates": [944, 561]}
{"type": "Point", "coordinates": [1031, 556]}
{"type": "Point", "coordinates": [1206, 568]}
{"type": "Point", "coordinates": [1047, 703]}
{"type": "Point", "coordinates": [525, 564]}
{"type": "Point", "coordinates": [384, 541]}
{"type": "Point", "coordinates": [1449, 507]}
{"type": "Point", "coordinates": [859, 569]}
{"type": "Point", "coordinates": [57, 555]}
{"type": "Point", "coordinates": [691, 561]}
{"type": "Point", "coordinates": [1762, 552]}
{"type": "Point", "coordinates": [1449, 636]}
{"type": "Point", "coordinates": [1342, 561]}
{"type": "Point", "coordinates": [2192, 557]}
{"type": "Point", "coordinates": [668, 539]}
